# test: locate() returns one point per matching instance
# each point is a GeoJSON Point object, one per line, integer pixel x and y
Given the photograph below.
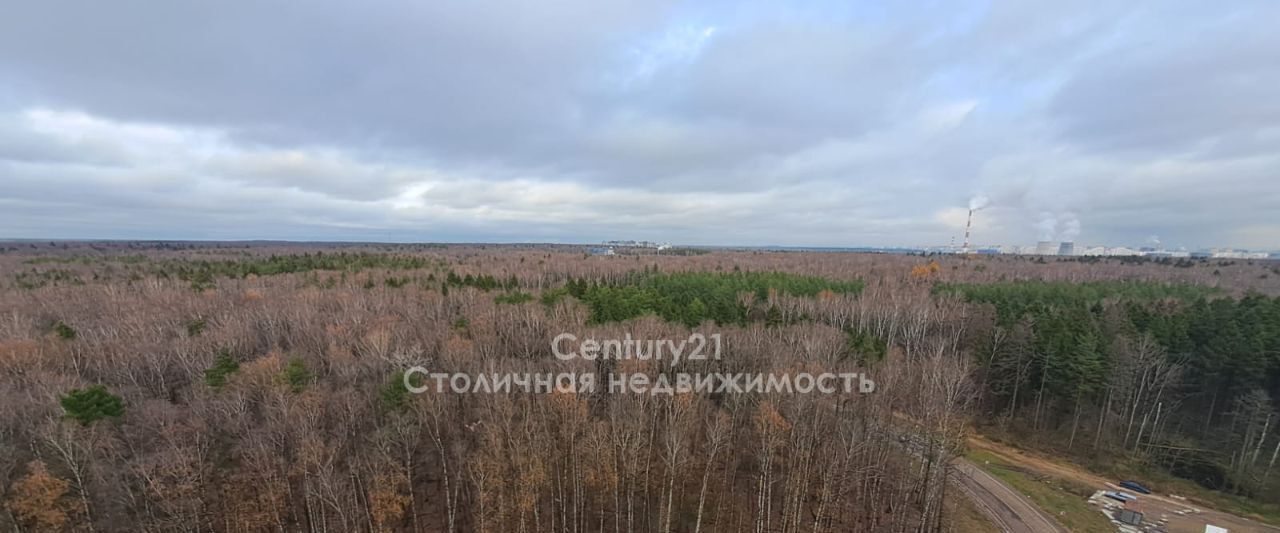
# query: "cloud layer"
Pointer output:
{"type": "Point", "coordinates": [572, 121]}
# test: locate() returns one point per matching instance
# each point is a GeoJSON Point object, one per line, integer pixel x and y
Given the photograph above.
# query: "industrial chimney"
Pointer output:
{"type": "Point", "coordinates": [1067, 248]}
{"type": "Point", "coordinates": [967, 224]}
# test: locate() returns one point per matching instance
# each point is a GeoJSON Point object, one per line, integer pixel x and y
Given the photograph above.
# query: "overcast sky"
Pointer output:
{"type": "Point", "coordinates": [812, 123]}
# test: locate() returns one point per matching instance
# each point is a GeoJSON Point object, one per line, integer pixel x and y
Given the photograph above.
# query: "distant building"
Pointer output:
{"type": "Point", "coordinates": [597, 250]}
{"type": "Point", "coordinates": [1105, 251]}
{"type": "Point", "coordinates": [1238, 254]}
{"type": "Point", "coordinates": [1045, 248]}
{"type": "Point", "coordinates": [639, 244]}
{"type": "Point", "coordinates": [1067, 248]}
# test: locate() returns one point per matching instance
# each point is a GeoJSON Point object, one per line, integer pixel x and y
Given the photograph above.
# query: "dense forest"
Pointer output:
{"type": "Point", "coordinates": [691, 298]}
{"type": "Point", "coordinates": [1175, 373]}
{"type": "Point", "coordinates": [225, 387]}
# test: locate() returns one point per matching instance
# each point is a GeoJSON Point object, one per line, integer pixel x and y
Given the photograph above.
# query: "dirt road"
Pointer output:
{"type": "Point", "coordinates": [1010, 510]}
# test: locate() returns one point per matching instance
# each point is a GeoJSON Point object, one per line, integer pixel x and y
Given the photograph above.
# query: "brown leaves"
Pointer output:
{"type": "Point", "coordinates": [17, 356]}
{"type": "Point", "coordinates": [40, 500]}
{"type": "Point", "coordinates": [925, 271]}
{"type": "Point", "coordinates": [387, 500]}
{"type": "Point", "coordinates": [770, 422]}
{"type": "Point", "coordinates": [261, 373]}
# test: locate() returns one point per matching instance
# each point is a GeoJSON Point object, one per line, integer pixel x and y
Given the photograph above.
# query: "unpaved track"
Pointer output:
{"type": "Point", "coordinates": [1008, 508]}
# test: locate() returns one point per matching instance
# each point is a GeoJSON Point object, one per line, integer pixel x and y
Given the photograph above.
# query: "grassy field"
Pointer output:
{"type": "Point", "coordinates": [1064, 500]}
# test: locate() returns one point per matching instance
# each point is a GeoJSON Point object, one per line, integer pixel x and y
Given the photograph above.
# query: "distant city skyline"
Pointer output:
{"type": "Point", "coordinates": [744, 123]}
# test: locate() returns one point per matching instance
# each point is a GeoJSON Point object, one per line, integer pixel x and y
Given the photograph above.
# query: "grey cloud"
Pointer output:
{"type": "Point", "coordinates": [1163, 89]}
{"type": "Point", "coordinates": [827, 123]}
{"type": "Point", "coordinates": [443, 75]}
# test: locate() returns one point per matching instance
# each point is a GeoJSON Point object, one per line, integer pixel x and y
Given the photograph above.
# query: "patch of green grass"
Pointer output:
{"type": "Point", "coordinates": [1065, 501]}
